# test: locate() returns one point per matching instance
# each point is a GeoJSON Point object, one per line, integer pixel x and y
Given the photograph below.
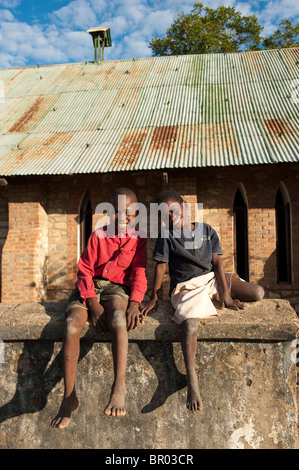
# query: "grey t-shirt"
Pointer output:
{"type": "Point", "coordinates": [188, 253]}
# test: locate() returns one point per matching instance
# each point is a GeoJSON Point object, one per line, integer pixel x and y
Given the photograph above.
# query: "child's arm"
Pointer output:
{"type": "Point", "coordinates": [85, 285]}
{"type": "Point", "coordinates": [226, 299]}
{"type": "Point", "coordinates": [160, 271]}
{"type": "Point", "coordinates": [96, 311]}
{"type": "Point", "coordinates": [138, 284]}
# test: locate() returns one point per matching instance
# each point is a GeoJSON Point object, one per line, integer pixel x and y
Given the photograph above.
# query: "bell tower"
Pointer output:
{"type": "Point", "coordinates": [101, 39]}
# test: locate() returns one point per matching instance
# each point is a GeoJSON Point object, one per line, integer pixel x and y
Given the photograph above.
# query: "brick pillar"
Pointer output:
{"type": "Point", "coordinates": [25, 252]}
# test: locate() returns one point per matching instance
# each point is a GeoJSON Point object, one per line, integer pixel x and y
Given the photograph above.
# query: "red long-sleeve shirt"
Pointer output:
{"type": "Point", "coordinates": [117, 259]}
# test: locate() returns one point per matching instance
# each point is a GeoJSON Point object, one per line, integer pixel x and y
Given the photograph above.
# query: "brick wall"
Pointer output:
{"type": "Point", "coordinates": [25, 251]}
{"type": "Point", "coordinates": [3, 220]}
{"type": "Point", "coordinates": [40, 253]}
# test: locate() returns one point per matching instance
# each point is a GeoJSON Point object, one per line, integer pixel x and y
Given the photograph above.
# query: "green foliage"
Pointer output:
{"type": "Point", "coordinates": [207, 30]}
{"type": "Point", "coordinates": [286, 35]}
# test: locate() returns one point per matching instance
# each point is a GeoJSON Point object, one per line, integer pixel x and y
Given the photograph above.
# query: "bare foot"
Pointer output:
{"type": "Point", "coordinates": [63, 417]}
{"type": "Point", "coordinates": [194, 401]}
{"type": "Point", "coordinates": [116, 405]}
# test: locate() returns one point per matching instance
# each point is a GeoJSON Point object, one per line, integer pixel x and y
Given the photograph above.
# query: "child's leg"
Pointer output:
{"type": "Point", "coordinates": [189, 344]}
{"type": "Point", "coordinates": [246, 291]}
{"type": "Point", "coordinates": [75, 322]}
{"type": "Point", "coordinates": [117, 325]}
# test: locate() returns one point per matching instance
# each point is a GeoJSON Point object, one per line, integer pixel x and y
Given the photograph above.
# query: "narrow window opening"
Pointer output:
{"type": "Point", "coordinates": [85, 221]}
{"type": "Point", "coordinates": [241, 235]}
{"type": "Point", "coordinates": [283, 238]}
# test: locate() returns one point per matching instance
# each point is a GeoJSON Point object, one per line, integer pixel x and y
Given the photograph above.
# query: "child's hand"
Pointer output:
{"type": "Point", "coordinates": [133, 315]}
{"type": "Point", "coordinates": [96, 315]}
{"type": "Point", "coordinates": [147, 306]}
{"type": "Point", "coordinates": [229, 302]}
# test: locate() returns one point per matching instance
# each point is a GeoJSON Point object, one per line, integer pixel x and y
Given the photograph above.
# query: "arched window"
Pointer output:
{"type": "Point", "coordinates": [283, 236]}
{"type": "Point", "coordinates": [85, 220]}
{"type": "Point", "coordinates": [241, 234]}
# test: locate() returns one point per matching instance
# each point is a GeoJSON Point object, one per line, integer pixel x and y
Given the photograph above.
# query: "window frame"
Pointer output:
{"type": "Point", "coordinates": [283, 230]}
{"type": "Point", "coordinates": [85, 221]}
{"type": "Point", "coordinates": [241, 245]}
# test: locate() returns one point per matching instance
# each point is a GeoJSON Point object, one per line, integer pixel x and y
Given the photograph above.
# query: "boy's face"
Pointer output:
{"type": "Point", "coordinates": [177, 215]}
{"type": "Point", "coordinates": [124, 214]}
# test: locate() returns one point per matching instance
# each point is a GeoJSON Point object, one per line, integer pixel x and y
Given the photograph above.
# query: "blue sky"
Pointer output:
{"type": "Point", "coordinates": [54, 31]}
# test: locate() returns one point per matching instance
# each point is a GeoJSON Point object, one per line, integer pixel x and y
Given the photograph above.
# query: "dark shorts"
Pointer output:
{"type": "Point", "coordinates": [104, 290]}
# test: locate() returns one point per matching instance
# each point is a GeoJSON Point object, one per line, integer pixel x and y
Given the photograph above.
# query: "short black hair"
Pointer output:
{"type": "Point", "coordinates": [120, 191]}
{"type": "Point", "coordinates": [169, 195]}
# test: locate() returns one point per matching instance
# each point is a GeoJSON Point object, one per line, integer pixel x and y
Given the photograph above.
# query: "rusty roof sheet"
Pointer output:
{"type": "Point", "coordinates": [153, 113]}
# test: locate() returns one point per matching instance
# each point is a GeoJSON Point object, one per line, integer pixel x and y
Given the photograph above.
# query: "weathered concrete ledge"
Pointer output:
{"type": "Point", "coordinates": [245, 363]}
{"type": "Point", "coordinates": [267, 320]}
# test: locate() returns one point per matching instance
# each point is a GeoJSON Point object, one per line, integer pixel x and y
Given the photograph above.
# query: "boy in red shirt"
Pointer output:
{"type": "Point", "coordinates": [110, 287]}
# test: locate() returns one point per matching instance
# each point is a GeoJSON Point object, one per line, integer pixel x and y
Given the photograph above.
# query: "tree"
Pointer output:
{"type": "Point", "coordinates": [286, 35]}
{"type": "Point", "coordinates": [206, 30]}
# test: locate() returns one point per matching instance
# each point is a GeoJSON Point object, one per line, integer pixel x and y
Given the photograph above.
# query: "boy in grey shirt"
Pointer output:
{"type": "Point", "coordinates": [197, 276]}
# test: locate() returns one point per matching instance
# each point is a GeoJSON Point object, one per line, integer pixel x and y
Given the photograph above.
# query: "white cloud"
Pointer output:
{"type": "Point", "coordinates": [135, 13]}
{"type": "Point", "coordinates": [6, 60]}
{"type": "Point", "coordinates": [136, 46]}
{"type": "Point", "coordinates": [244, 8]}
{"type": "Point", "coordinates": [270, 14]}
{"type": "Point", "coordinates": [6, 15]}
{"type": "Point", "coordinates": [268, 28]}
{"type": "Point", "coordinates": [77, 14]}
{"type": "Point", "coordinates": [277, 10]}
{"type": "Point", "coordinates": [30, 45]}
{"type": "Point", "coordinates": [98, 6]}
{"type": "Point", "coordinates": [158, 22]}
{"type": "Point", "coordinates": [10, 3]}
{"type": "Point", "coordinates": [77, 46]}
{"type": "Point", "coordinates": [118, 25]}
{"type": "Point", "coordinates": [133, 24]}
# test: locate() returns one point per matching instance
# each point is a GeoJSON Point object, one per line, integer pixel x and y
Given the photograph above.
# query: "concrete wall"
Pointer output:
{"type": "Point", "coordinates": [245, 364]}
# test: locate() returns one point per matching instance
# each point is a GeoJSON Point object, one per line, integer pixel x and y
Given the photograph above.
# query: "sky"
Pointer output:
{"type": "Point", "coordinates": [54, 31]}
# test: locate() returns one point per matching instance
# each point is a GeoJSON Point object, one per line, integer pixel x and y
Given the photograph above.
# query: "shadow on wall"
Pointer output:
{"type": "Point", "coordinates": [38, 372]}
{"type": "Point", "coordinates": [269, 279]}
{"type": "Point", "coordinates": [170, 379]}
{"type": "Point", "coordinates": [35, 378]}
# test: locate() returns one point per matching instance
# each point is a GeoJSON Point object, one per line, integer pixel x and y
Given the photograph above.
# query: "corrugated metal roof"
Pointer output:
{"type": "Point", "coordinates": [153, 113]}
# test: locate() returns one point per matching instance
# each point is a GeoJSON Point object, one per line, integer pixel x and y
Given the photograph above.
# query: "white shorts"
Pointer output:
{"type": "Point", "coordinates": [193, 298]}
